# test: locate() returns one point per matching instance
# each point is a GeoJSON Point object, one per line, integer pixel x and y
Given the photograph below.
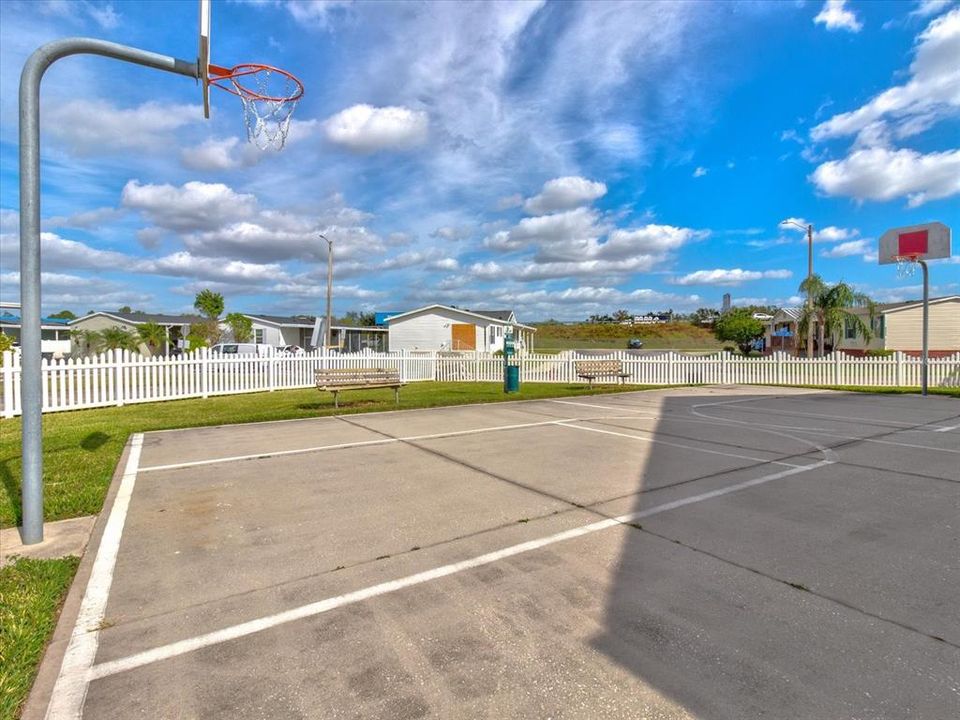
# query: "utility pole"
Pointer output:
{"type": "Point", "coordinates": [809, 229]}
{"type": "Point", "coordinates": [810, 291]}
{"type": "Point", "coordinates": [327, 329]}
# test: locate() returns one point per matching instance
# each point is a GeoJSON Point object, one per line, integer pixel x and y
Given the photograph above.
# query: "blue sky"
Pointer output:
{"type": "Point", "coordinates": [560, 159]}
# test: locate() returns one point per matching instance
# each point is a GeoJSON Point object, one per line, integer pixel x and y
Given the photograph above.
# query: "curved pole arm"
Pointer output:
{"type": "Point", "coordinates": [31, 387]}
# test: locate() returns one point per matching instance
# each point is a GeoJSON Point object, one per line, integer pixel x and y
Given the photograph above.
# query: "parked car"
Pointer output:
{"type": "Point", "coordinates": [634, 344]}
{"type": "Point", "coordinates": [241, 349]}
{"type": "Point", "coordinates": [290, 350]}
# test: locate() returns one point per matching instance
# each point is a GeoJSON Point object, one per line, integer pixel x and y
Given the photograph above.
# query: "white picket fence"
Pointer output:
{"type": "Point", "coordinates": [120, 377]}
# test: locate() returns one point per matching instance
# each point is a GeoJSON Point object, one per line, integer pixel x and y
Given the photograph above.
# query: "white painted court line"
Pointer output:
{"type": "Point", "coordinates": [240, 630]}
{"type": "Point", "coordinates": [70, 689]}
{"type": "Point", "coordinates": [841, 418]}
{"type": "Point", "coordinates": [341, 446]}
{"type": "Point", "coordinates": [618, 408]}
{"type": "Point", "coordinates": [679, 445]}
{"type": "Point", "coordinates": [947, 428]}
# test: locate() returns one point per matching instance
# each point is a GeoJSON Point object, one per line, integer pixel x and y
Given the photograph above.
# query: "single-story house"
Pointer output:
{"type": "Point", "coordinates": [278, 330]}
{"type": "Point", "coordinates": [54, 332]}
{"type": "Point", "coordinates": [440, 327]}
{"type": "Point", "coordinates": [177, 326]}
{"type": "Point", "coordinates": [781, 331]}
{"type": "Point", "coordinates": [899, 326]}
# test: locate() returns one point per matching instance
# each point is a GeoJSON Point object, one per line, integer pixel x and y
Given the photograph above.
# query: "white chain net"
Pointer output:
{"type": "Point", "coordinates": [268, 121]}
{"type": "Point", "coordinates": [906, 267]}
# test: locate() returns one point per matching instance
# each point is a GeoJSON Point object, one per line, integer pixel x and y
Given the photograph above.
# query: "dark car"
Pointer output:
{"type": "Point", "coordinates": [634, 344]}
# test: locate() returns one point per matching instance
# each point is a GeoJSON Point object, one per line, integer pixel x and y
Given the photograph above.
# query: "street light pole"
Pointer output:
{"type": "Point", "coordinates": [327, 330]}
{"type": "Point", "coordinates": [809, 229]}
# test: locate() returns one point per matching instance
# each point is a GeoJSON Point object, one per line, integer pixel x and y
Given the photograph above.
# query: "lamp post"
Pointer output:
{"type": "Point", "coordinates": [327, 330]}
{"type": "Point", "coordinates": [809, 229]}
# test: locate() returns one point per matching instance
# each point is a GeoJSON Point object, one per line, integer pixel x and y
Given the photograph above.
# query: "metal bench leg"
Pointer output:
{"type": "Point", "coordinates": [336, 399]}
{"type": "Point", "coordinates": [396, 396]}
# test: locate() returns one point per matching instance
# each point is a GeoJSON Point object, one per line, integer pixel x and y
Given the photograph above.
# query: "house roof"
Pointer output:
{"type": "Point", "coordinates": [472, 313]}
{"type": "Point", "coordinates": [286, 321]}
{"type": "Point", "coordinates": [141, 318]}
{"type": "Point", "coordinates": [9, 319]}
{"type": "Point", "coordinates": [884, 308]}
{"type": "Point", "coordinates": [495, 314]}
{"type": "Point", "coordinates": [793, 313]}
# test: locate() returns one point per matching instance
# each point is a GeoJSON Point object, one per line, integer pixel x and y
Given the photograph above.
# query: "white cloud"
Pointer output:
{"type": "Point", "coordinates": [366, 129]}
{"type": "Point", "coordinates": [62, 254]}
{"type": "Point", "coordinates": [98, 127]}
{"type": "Point", "coordinates": [564, 193]}
{"type": "Point", "coordinates": [212, 154]}
{"type": "Point", "coordinates": [700, 172]}
{"type": "Point", "coordinates": [86, 220]}
{"type": "Point", "coordinates": [926, 8]}
{"type": "Point", "coordinates": [864, 247]}
{"type": "Point", "coordinates": [453, 232]}
{"type": "Point", "coordinates": [883, 174]}
{"type": "Point", "coordinates": [315, 13]}
{"type": "Point", "coordinates": [932, 92]}
{"type": "Point", "coordinates": [185, 264]}
{"type": "Point", "coordinates": [192, 206]}
{"type": "Point", "coordinates": [831, 233]}
{"type": "Point", "coordinates": [731, 277]}
{"type": "Point", "coordinates": [835, 16]}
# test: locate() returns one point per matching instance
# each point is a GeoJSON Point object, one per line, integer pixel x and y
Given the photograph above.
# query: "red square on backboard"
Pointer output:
{"type": "Point", "coordinates": [912, 243]}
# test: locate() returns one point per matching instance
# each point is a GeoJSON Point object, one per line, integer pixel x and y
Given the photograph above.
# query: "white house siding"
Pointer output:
{"type": "Point", "coordinates": [429, 331]}
{"type": "Point", "coordinates": [905, 327]}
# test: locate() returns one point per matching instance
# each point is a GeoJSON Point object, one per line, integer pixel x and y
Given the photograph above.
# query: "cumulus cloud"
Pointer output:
{"type": "Point", "coordinates": [731, 277]}
{"type": "Point", "coordinates": [564, 193]}
{"type": "Point", "coordinates": [884, 174]}
{"type": "Point", "coordinates": [212, 154]}
{"type": "Point", "coordinates": [85, 220]}
{"type": "Point", "coordinates": [367, 129]}
{"type": "Point", "coordinates": [192, 206]}
{"type": "Point", "coordinates": [185, 264]}
{"type": "Point", "coordinates": [452, 232]}
{"type": "Point", "coordinates": [864, 248]}
{"type": "Point", "coordinates": [931, 93]}
{"type": "Point", "coordinates": [59, 253]}
{"type": "Point", "coordinates": [91, 127]}
{"type": "Point", "coordinates": [700, 172]}
{"type": "Point", "coordinates": [835, 16]}
{"type": "Point", "coordinates": [926, 8]}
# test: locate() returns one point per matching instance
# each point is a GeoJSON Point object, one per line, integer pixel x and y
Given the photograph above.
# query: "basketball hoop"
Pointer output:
{"type": "Point", "coordinates": [907, 265]}
{"type": "Point", "coordinates": [269, 96]}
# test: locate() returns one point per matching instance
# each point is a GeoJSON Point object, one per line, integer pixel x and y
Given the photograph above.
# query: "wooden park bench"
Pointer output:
{"type": "Point", "coordinates": [593, 369]}
{"type": "Point", "coordinates": [338, 379]}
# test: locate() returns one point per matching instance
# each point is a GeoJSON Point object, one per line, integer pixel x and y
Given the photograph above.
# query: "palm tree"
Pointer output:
{"type": "Point", "coordinates": [153, 335]}
{"type": "Point", "coordinates": [89, 341]}
{"type": "Point", "coordinates": [118, 338]}
{"type": "Point", "coordinates": [832, 310]}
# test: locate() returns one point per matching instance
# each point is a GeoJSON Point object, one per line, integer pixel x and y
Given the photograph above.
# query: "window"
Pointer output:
{"type": "Point", "coordinates": [258, 336]}
{"type": "Point", "coordinates": [849, 329]}
{"type": "Point", "coordinates": [879, 326]}
{"type": "Point", "coordinates": [493, 334]}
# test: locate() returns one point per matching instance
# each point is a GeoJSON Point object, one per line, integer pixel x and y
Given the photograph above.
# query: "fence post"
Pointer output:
{"type": "Point", "coordinates": [836, 367]}
{"type": "Point", "coordinates": [779, 358]}
{"type": "Point", "coordinates": [204, 373]}
{"type": "Point", "coordinates": [272, 372]}
{"type": "Point", "coordinates": [476, 366]}
{"type": "Point", "coordinates": [404, 373]}
{"type": "Point", "coordinates": [7, 370]}
{"type": "Point", "coordinates": [116, 357]}
{"type": "Point", "coordinates": [898, 369]}
{"type": "Point", "coordinates": [724, 367]}
{"type": "Point", "coordinates": [433, 361]}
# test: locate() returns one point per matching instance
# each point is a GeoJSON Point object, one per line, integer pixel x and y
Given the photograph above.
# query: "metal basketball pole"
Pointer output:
{"type": "Point", "coordinates": [31, 382]}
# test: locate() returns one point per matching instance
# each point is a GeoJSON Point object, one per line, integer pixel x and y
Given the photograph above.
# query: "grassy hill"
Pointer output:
{"type": "Point", "coordinates": [680, 335]}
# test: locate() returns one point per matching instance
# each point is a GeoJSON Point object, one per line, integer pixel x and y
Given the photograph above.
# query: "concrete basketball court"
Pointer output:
{"type": "Point", "coordinates": [715, 553]}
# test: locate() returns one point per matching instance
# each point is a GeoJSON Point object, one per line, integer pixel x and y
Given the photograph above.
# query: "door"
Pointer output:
{"type": "Point", "coordinates": [463, 337]}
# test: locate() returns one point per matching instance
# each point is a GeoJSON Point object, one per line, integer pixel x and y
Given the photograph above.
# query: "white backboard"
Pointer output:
{"type": "Point", "coordinates": [203, 55]}
{"type": "Point", "coordinates": [928, 241]}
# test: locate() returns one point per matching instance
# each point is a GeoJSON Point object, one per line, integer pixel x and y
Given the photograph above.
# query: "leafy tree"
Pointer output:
{"type": "Point", "coordinates": [118, 338]}
{"type": "Point", "coordinates": [704, 316]}
{"type": "Point", "coordinates": [6, 342]}
{"type": "Point", "coordinates": [240, 326]}
{"type": "Point", "coordinates": [738, 326]}
{"type": "Point", "coordinates": [357, 319]}
{"type": "Point", "coordinates": [153, 335]}
{"type": "Point", "coordinates": [88, 341]}
{"type": "Point", "coordinates": [125, 309]}
{"type": "Point", "coordinates": [209, 304]}
{"type": "Point", "coordinates": [197, 337]}
{"type": "Point", "coordinates": [622, 316]}
{"type": "Point", "coordinates": [833, 309]}
{"type": "Point", "coordinates": [64, 315]}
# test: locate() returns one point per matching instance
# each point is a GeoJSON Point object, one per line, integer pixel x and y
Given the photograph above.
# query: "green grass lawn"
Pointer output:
{"type": "Point", "coordinates": [81, 448]}
{"type": "Point", "coordinates": [31, 592]}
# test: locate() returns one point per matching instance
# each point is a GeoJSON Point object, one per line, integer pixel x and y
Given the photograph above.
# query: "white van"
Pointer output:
{"type": "Point", "coordinates": [242, 349]}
